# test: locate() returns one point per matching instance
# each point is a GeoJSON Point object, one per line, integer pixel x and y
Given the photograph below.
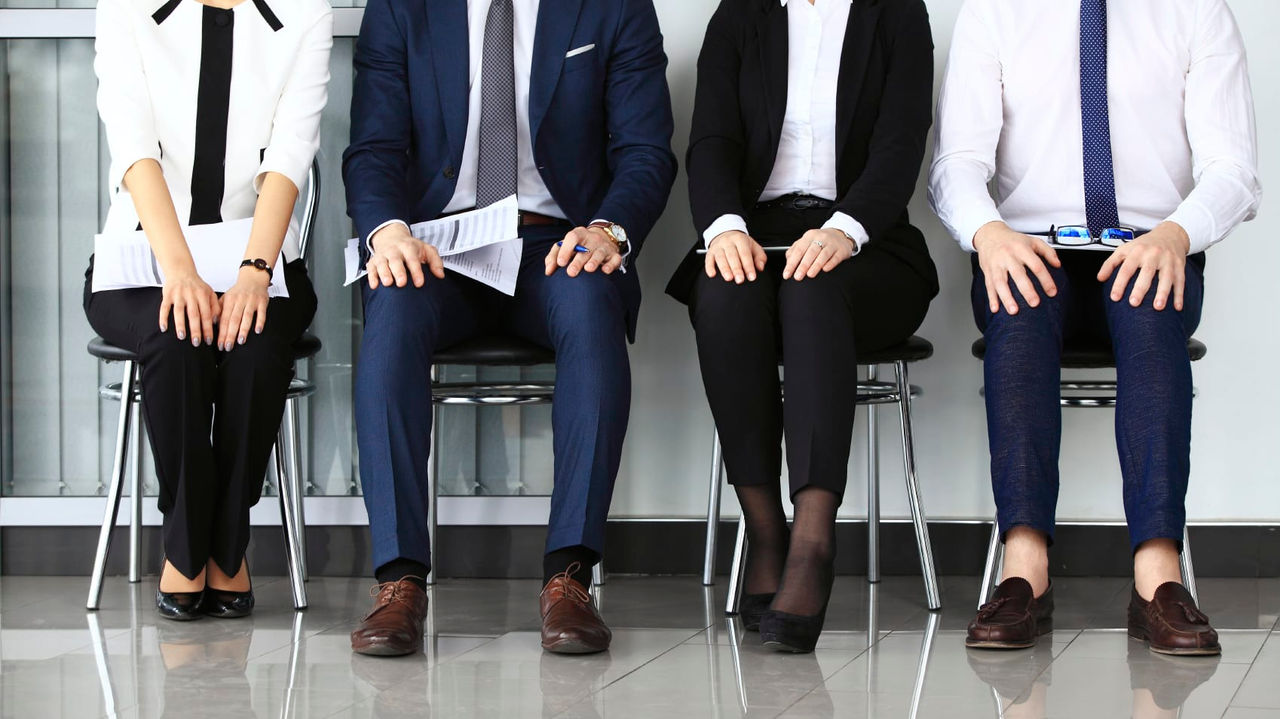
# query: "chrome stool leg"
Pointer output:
{"type": "Point", "coordinates": [113, 490]}
{"type": "Point", "coordinates": [873, 486]}
{"type": "Point", "coordinates": [135, 490]}
{"type": "Point", "coordinates": [285, 489]}
{"type": "Point", "coordinates": [598, 574]}
{"type": "Point", "coordinates": [433, 483]}
{"type": "Point", "coordinates": [991, 570]}
{"type": "Point", "coordinates": [913, 490]}
{"type": "Point", "coordinates": [713, 510]}
{"type": "Point", "coordinates": [1188, 568]}
{"type": "Point", "coordinates": [738, 569]}
{"type": "Point", "coordinates": [289, 433]}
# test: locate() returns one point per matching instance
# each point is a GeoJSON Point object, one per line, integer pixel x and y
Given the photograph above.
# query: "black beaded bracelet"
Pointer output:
{"type": "Point", "coordinates": [261, 265]}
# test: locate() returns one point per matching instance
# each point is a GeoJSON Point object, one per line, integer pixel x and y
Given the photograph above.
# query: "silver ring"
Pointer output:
{"type": "Point", "coordinates": [818, 243]}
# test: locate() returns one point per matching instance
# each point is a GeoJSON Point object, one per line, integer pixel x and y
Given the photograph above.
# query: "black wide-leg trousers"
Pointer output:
{"type": "Point", "coordinates": [212, 416]}
{"type": "Point", "coordinates": [814, 328]}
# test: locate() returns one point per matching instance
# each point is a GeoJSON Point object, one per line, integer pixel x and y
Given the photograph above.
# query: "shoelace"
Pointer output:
{"type": "Point", "coordinates": [988, 610]}
{"type": "Point", "coordinates": [569, 588]}
{"type": "Point", "coordinates": [394, 591]}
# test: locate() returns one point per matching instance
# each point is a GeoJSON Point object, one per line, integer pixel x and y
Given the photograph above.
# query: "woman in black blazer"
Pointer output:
{"type": "Point", "coordinates": [808, 134]}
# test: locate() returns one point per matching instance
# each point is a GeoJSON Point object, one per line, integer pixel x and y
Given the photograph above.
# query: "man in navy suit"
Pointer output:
{"type": "Point", "coordinates": [458, 104]}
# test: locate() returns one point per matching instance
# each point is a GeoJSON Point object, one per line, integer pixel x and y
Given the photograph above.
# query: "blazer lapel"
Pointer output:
{"type": "Point", "coordinates": [451, 59]}
{"type": "Point", "coordinates": [858, 36]}
{"type": "Point", "coordinates": [771, 29]}
{"type": "Point", "coordinates": [556, 22]}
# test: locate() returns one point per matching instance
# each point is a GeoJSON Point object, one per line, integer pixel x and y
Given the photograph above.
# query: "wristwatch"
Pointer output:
{"type": "Point", "coordinates": [615, 232]}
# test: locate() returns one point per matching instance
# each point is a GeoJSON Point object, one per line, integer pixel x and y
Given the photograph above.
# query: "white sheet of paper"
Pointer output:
{"type": "Point", "coordinates": [123, 260]}
{"type": "Point", "coordinates": [481, 244]}
{"type": "Point", "coordinates": [1090, 248]}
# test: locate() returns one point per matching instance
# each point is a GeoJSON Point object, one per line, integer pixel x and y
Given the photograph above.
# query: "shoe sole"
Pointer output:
{"type": "Point", "coordinates": [1175, 651]}
{"type": "Point", "coordinates": [787, 648]}
{"type": "Point", "coordinates": [1043, 627]}
{"type": "Point", "coordinates": [573, 647]}
{"type": "Point", "coordinates": [383, 650]}
{"type": "Point", "coordinates": [181, 617]}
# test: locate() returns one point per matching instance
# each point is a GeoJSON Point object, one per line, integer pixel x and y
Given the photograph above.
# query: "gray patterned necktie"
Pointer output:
{"type": "Point", "coordinates": [496, 178]}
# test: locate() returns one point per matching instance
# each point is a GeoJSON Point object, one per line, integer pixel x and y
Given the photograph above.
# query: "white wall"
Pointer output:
{"type": "Point", "coordinates": [1234, 478]}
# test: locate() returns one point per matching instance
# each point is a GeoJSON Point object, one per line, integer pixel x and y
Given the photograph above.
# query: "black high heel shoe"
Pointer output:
{"type": "Point", "coordinates": [791, 632]}
{"type": "Point", "coordinates": [179, 606]}
{"type": "Point", "coordinates": [752, 607]}
{"type": "Point", "coordinates": [224, 604]}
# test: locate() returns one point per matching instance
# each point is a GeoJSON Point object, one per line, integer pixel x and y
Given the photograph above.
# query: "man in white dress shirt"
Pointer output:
{"type": "Point", "coordinates": [1137, 140]}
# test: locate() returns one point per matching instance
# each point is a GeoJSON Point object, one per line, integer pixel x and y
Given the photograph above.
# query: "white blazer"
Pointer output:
{"type": "Point", "coordinates": [249, 102]}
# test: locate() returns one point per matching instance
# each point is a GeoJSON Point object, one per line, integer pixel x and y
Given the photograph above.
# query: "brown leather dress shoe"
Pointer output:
{"type": "Point", "coordinates": [394, 627]}
{"type": "Point", "coordinates": [1013, 619]}
{"type": "Point", "coordinates": [1171, 623]}
{"type": "Point", "coordinates": [570, 622]}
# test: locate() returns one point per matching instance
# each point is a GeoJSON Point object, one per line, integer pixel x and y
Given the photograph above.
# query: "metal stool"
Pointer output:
{"type": "Point", "coordinates": [491, 351]}
{"type": "Point", "coordinates": [287, 449]}
{"type": "Point", "coordinates": [872, 393]}
{"type": "Point", "coordinates": [1087, 394]}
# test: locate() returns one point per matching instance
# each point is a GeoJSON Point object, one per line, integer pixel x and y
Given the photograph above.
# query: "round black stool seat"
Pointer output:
{"type": "Point", "coordinates": [495, 351]}
{"type": "Point", "coordinates": [913, 349]}
{"type": "Point", "coordinates": [308, 345]}
{"type": "Point", "coordinates": [1096, 356]}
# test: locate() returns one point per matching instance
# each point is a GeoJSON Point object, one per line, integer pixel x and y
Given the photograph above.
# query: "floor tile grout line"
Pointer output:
{"type": "Point", "coordinates": [1232, 702]}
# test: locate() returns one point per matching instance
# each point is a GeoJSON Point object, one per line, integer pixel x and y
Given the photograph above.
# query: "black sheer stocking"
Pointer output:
{"type": "Point", "coordinates": [807, 577]}
{"type": "Point", "coordinates": [767, 536]}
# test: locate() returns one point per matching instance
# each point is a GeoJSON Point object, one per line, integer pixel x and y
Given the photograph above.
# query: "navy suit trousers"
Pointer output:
{"type": "Point", "coordinates": [1153, 404]}
{"type": "Point", "coordinates": [582, 318]}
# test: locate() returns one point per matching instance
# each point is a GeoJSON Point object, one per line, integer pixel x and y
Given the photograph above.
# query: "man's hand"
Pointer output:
{"type": "Point", "coordinates": [1163, 252]}
{"type": "Point", "coordinates": [399, 256]}
{"type": "Point", "coordinates": [602, 253]}
{"type": "Point", "coordinates": [736, 256]}
{"type": "Point", "coordinates": [817, 251]}
{"type": "Point", "coordinates": [1004, 254]}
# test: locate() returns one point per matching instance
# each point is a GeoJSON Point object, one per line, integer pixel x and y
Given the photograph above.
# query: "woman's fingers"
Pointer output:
{"type": "Point", "coordinates": [206, 314]}
{"type": "Point", "coordinates": [263, 303]}
{"type": "Point", "coordinates": [743, 247]}
{"type": "Point", "coordinates": [246, 321]}
{"type": "Point", "coordinates": [180, 316]}
{"type": "Point", "coordinates": [793, 260]}
{"type": "Point", "coordinates": [722, 264]}
{"type": "Point", "coordinates": [166, 306]}
{"type": "Point", "coordinates": [734, 261]}
{"type": "Point", "coordinates": [824, 257]}
{"type": "Point", "coordinates": [759, 255]}
{"type": "Point", "coordinates": [811, 253]}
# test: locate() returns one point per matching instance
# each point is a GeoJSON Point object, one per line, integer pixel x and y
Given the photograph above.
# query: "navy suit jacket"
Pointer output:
{"type": "Point", "coordinates": [600, 121]}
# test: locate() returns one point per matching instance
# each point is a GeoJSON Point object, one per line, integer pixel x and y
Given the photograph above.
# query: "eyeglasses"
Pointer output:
{"type": "Point", "coordinates": [1079, 236]}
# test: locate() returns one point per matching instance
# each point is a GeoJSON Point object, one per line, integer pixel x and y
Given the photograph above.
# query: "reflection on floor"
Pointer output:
{"type": "Point", "coordinates": [674, 655]}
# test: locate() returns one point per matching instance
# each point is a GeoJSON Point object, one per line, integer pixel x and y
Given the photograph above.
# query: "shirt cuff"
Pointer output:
{"type": "Point", "coordinates": [723, 224]}
{"type": "Point", "coordinates": [368, 241]}
{"type": "Point", "coordinates": [966, 226]}
{"type": "Point", "coordinates": [1199, 225]}
{"type": "Point", "coordinates": [851, 227]}
{"type": "Point", "coordinates": [626, 254]}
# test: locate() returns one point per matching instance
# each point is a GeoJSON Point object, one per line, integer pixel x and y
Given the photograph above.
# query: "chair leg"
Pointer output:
{"type": "Point", "coordinates": [739, 568]}
{"type": "Point", "coordinates": [1188, 568]}
{"type": "Point", "coordinates": [873, 486]}
{"type": "Point", "coordinates": [598, 575]}
{"type": "Point", "coordinates": [433, 482]}
{"type": "Point", "coordinates": [991, 571]}
{"type": "Point", "coordinates": [135, 493]}
{"type": "Point", "coordinates": [913, 490]}
{"type": "Point", "coordinates": [289, 433]}
{"type": "Point", "coordinates": [114, 489]}
{"type": "Point", "coordinates": [922, 666]}
{"type": "Point", "coordinates": [285, 486]}
{"type": "Point", "coordinates": [713, 510]}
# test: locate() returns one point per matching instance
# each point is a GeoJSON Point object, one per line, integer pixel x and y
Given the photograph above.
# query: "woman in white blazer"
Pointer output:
{"type": "Point", "coordinates": [212, 113]}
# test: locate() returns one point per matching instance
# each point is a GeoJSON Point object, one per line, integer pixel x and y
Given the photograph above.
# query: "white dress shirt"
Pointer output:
{"type": "Point", "coordinates": [149, 78]}
{"type": "Point", "coordinates": [532, 192]}
{"type": "Point", "coordinates": [806, 160]}
{"type": "Point", "coordinates": [1181, 109]}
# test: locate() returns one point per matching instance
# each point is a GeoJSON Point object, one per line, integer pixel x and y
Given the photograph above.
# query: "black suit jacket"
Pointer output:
{"type": "Point", "coordinates": [883, 112]}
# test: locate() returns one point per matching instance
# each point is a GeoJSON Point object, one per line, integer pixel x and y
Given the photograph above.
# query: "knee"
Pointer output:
{"type": "Point", "coordinates": [161, 349]}
{"type": "Point", "coordinates": [264, 353]}
{"type": "Point", "coordinates": [729, 308]}
{"type": "Point", "coordinates": [814, 294]}
{"type": "Point", "coordinates": [586, 307]}
{"type": "Point", "coordinates": [400, 312]}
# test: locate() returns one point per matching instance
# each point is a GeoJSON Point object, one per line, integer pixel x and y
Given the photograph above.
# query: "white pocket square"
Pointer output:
{"type": "Point", "coordinates": [579, 51]}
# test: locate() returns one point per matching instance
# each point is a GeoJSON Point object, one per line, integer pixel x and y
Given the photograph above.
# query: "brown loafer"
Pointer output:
{"type": "Point", "coordinates": [1171, 623]}
{"type": "Point", "coordinates": [570, 622]}
{"type": "Point", "coordinates": [1013, 619]}
{"type": "Point", "coordinates": [394, 627]}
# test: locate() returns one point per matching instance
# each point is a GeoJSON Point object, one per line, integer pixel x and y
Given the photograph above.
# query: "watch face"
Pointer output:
{"type": "Point", "coordinates": [619, 233]}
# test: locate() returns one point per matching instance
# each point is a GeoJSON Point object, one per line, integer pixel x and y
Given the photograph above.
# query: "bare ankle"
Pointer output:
{"type": "Point", "coordinates": [1155, 563]}
{"type": "Point", "coordinates": [1026, 555]}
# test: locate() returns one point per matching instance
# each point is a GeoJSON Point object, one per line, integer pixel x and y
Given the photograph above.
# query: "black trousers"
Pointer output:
{"type": "Point", "coordinates": [212, 416]}
{"type": "Point", "coordinates": [814, 328]}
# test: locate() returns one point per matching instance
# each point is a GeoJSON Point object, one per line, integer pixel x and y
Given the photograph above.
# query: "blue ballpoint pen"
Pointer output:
{"type": "Point", "coordinates": [576, 248]}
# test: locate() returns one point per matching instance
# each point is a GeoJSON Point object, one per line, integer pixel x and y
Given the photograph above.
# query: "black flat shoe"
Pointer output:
{"type": "Point", "coordinates": [752, 607]}
{"type": "Point", "coordinates": [179, 606]}
{"type": "Point", "coordinates": [223, 604]}
{"type": "Point", "coordinates": [791, 632]}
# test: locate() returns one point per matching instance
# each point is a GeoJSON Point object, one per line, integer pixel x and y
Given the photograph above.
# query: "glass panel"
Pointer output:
{"type": "Point", "coordinates": [56, 435]}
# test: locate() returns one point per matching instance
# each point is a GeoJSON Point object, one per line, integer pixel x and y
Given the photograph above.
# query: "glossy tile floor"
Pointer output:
{"type": "Point", "coordinates": [674, 655]}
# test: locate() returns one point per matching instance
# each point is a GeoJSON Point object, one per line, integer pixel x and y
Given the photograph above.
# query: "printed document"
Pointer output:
{"type": "Point", "coordinates": [124, 260]}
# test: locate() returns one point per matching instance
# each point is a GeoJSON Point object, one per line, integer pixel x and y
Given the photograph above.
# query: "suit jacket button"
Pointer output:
{"type": "Point", "coordinates": [450, 173]}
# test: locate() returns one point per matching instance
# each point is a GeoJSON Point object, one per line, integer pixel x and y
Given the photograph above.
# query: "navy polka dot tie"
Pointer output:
{"type": "Point", "coordinates": [1099, 173]}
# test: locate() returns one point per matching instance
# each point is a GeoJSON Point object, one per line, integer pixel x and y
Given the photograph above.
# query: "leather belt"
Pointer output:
{"type": "Point", "coordinates": [797, 202]}
{"type": "Point", "coordinates": [529, 219]}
